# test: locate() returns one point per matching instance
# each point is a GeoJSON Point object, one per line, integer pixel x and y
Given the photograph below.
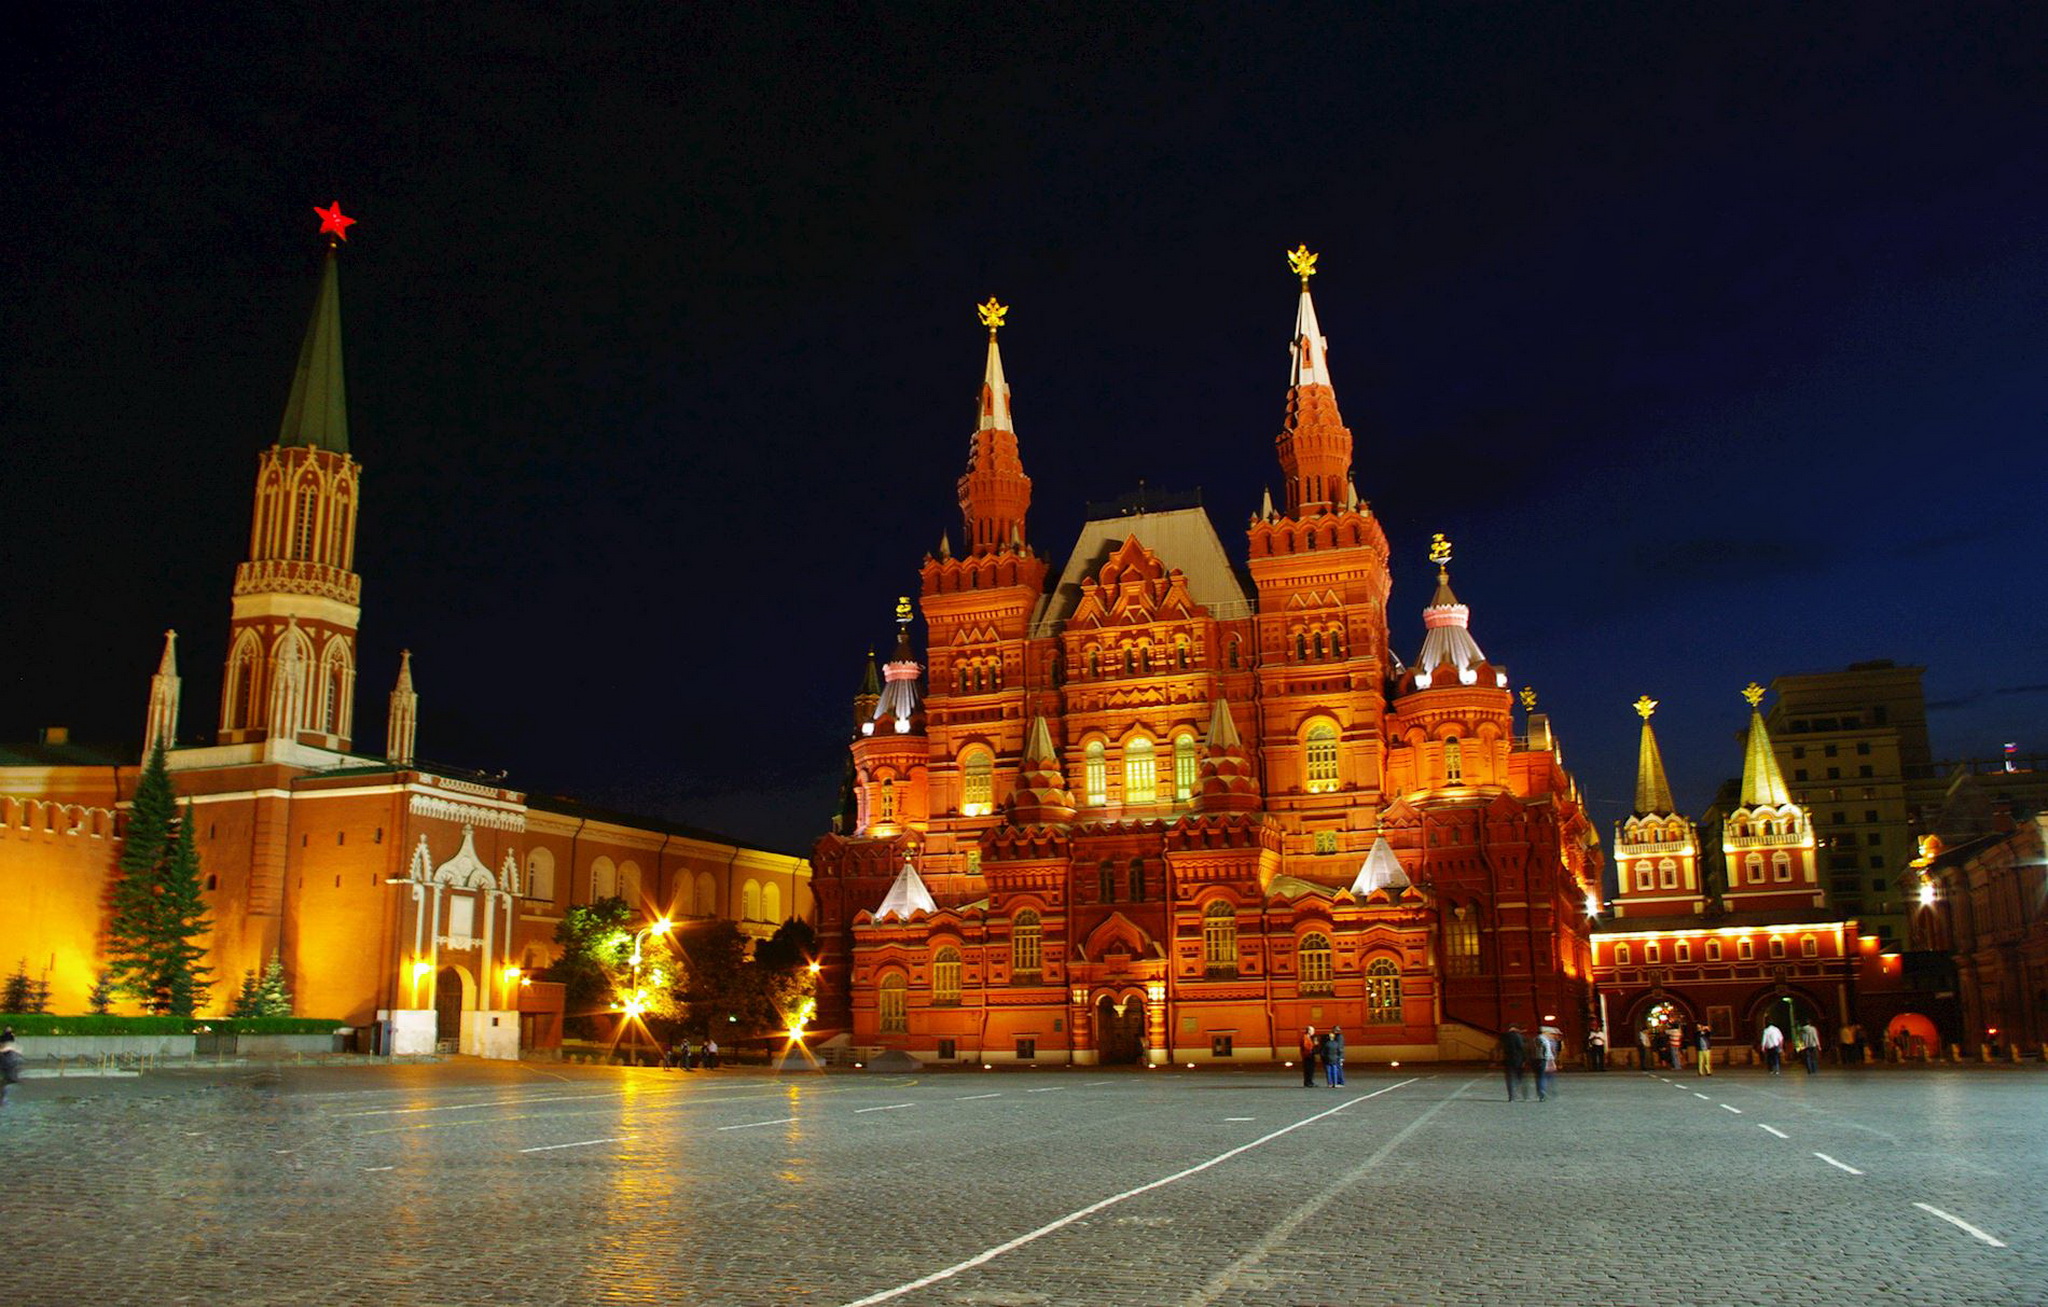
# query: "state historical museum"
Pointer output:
{"type": "Point", "coordinates": [1168, 805]}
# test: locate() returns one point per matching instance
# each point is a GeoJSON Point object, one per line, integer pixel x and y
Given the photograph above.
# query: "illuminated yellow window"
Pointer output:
{"type": "Point", "coordinates": [1095, 775]}
{"type": "Point", "coordinates": [888, 803]}
{"type": "Point", "coordinates": [1186, 770]}
{"type": "Point", "coordinates": [1219, 937]}
{"type": "Point", "coordinates": [1321, 748]}
{"type": "Point", "coordinates": [1383, 993]}
{"type": "Point", "coordinates": [1025, 944]}
{"type": "Point", "coordinates": [1461, 944]}
{"type": "Point", "coordinates": [977, 784]}
{"type": "Point", "coordinates": [1316, 973]}
{"type": "Point", "coordinates": [1141, 772]}
{"type": "Point", "coordinates": [1454, 762]}
{"type": "Point", "coordinates": [946, 976]}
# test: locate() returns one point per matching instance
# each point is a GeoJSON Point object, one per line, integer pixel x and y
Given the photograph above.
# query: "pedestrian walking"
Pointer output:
{"type": "Point", "coordinates": [1703, 1041]}
{"type": "Point", "coordinates": [682, 1053]}
{"type": "Point", "coordinates": [10, 1065]}
{"type": "Point", "coordinates": [1308, 1058]}
{"type": "Point", "coordinates": [1644, 1038]}
{"type": "Point", "coordinates": [1809, 1047]}
{"type": "Point", "coordinates": [1548, 1046]}
{"type": "Point", "coordinates": [711, 1055]}
{"type": "Point", "coordinates": [1514, 1056]}
{"type": "Point", "coordinates": [1333, 1057]}
{"type": "Point", "coordinates": [1596, 1050]}
{"type": "Point", "coordinates": [1772, 1042]}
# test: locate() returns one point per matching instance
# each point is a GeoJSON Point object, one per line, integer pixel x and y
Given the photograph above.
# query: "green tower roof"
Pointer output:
{"type": "Point", "coordinates": [316, 415]}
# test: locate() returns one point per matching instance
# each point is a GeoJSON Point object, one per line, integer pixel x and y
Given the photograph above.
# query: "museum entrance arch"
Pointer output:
{"type": "Point", "coordinates": [1119, 1030]}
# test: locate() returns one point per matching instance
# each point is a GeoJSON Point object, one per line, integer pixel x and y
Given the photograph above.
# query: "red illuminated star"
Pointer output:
{"type": "Point", "coordinates": [333, 220]}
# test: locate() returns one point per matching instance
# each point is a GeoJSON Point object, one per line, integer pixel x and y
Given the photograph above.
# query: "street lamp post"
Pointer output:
{"type": "Point", "coordinates": [635, 1004]}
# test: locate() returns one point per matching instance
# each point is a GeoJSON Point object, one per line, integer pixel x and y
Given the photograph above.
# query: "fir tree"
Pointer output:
{"type": "Point", "coordinates": [269, 996]}
{"type": "Point", "coordinates": [101, 996]}
{"type": "Point", "coordinates": [19, 991]}
{"type": "Point", "coordinates": [245, 999]}
{"type": "Point", "coordinates": [157, 906]}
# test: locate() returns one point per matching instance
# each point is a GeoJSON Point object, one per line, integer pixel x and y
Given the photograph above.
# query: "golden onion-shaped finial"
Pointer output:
{"type": "Point", "coordinates": [1645, 706]}
{"type": "Point", "coordinates": [1753, 694]}
{"type": "Point", "coordinates": [1303, 263]}
{"type": "Point", "coordinates": [991, 315]}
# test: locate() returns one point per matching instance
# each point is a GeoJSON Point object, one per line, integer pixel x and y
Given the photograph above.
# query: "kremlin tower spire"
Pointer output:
{"type": "Point", "coordinates": [161, 732]}
{"type": "Point", "coordinates": [403, 723]}
{"type": "Point", "coordinates": [290, 675]}
{"type": "Point", "coordinates": [1767, 839]}
{"type": "Point", "coordinates": [1314, 444]}
{"type": "Point", "coordinates": [1656, 856]}
{"type": "Point", "coordinates": [994, 492]}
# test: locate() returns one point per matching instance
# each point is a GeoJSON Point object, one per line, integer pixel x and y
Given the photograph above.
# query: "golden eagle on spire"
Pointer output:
{"type": "Point", "coordinates": [903, 610]}
{"type": "Point", "coordinates": [1440, 549]}
{"type": "Point", "coordinates": [1528, 698]}
{"type": "Point", "coordinates": [1753, 694]}
{"type": "Point", "coordinates": [1645, 706]}
{"type": "Point", "coordinates": [991, 315]}
{"type": "Point", "coordinates": [1303, 263]}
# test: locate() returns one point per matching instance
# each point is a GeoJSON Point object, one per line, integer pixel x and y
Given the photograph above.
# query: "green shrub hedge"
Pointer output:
{"type": "Point", "coordinates": [44, 1023]}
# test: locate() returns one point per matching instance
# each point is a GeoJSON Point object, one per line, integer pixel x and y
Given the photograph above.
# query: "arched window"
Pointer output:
{"type": "Point", "coordinates": [1667, 874]}
{"type": "Point", "coordinates": [707, 895]}
{"type": "Point", "coordinates": [1219, 937]}
{"type": "Point", "coordinates": [1622, 956]}
{"type": "Point", "coordinates": [750, 901]}
{"type": "Point", "coordinates": [888, 804]}
{"type": "Point", "coordinates": [1321, 743]}
{"type": "Point", "coordinates": [305, 502]}
{"type": "Point", "coordinates": [1233, 655]}
{"type": "Point", "coordinates": [1745, 950]}
{"type": "Point", "coordinates": [1317, 976]}
{"type": "Point", "coordinates": [894, 1011]}
{"type": "Point", "coordinates": [771, 902]}
{"type": "Point", "coordinates": [1141, 772]}
{"type": "Point", "coordinates": [1753, 868]}
{"type": "Point", "coordinates": [1137, 885]}
{"type": "Point", "coordinates": [977, 784]}
{"type": "Point", "coordinates": [604, 880]}
{"type": "Point", "coordinates": [1454, 761]}
{"type": "Point", "coordinates": [1183, 654]}
{"type": "Point", "coordinates": [946, 976]}
{"type": "Point", "coordinates": [1186, 768]}
{"type": "Point", "coordinates": [1105, 881]}
{"type": "Point", "coordinates": [540, 875]}
{"type": "Point", "coordinates": [1777, 947]}
{"type": "Point", "coordinates": [1713, 950]}
{"type": "Point", "coordinates": [1025, 945]}
{"type": "Point", "coordinates": [1781, 866]}
{"type": "Point", "coordinates": [1645, 878]}
{"type": "Point", "coordinates": [1095, 774]}
{"type": "Point", "coordinates": [1461, 943]}
{"type": "Point", "coordinates": [1094, 662]}
{"type": "Point", "coordinates": [1383, 993]}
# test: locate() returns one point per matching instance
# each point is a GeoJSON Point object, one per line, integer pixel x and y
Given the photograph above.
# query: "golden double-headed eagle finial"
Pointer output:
{"type": "Point", "coordinates": [991, 315]}
{"type": "Point", "coordinates": [1753, 694]}
{"type": "Point", "coordinates": [1528, 698]}
{"type": "Point", "coordinates": [1645, 706]}
{"type": "Point", "coordinates": [1303, 262]}
{"type": "Point", "coordinates": [1440, 549]}
{"type": "Point", "coordinates": [903, 612]}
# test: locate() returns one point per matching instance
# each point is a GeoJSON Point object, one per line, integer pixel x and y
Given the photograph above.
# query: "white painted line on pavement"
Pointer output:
{"type": "Point", "coordinates": [581, 1143]}
{"type": "Point", "coordinates": [892, 1107]}
{"type": "Point", "coordinates": [1697, 1094]}
{"type": "Point", "coordinates": [1736, 1110]}
{"type": "Point", "coordinates": [1774, 1130]}
{"type": "Point", "coordinates": [968, 1098]}
{"type": "Point", "coordinates": [1091, 1209]}
{"type": "Point", "coordinates": [380, 1168]}
{"type": "Point", "coordinates": [1049, 1089]}
{"type": "Point", "coordinates": [1961, 1224]}
{"type": "Point", "coordinates": [1240, 1118]}
{"type": "Point", "coordinates": [755, 1125]}
{"type": "Point", "coordinates": [1842, 1165]}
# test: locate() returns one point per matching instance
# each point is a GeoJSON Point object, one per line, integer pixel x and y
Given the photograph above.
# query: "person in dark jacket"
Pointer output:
{"type": "Point", "coordinates": [1333, 1057]}
{"type": "Point", "coordinates": [1514, 1057]}
{"type": "Point", "coordinates": [10, 1065]}
{"type": "Point", "coordinates": [1308, 1058]}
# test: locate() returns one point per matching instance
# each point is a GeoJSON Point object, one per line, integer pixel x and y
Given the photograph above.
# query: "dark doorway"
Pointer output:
{"type": "Point", "coordinates": [1119, 1033]}
{"type": "Point", "coordinates": [448, 1009]}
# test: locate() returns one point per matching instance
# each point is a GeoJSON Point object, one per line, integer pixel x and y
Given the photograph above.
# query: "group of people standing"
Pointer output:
{"type": "Point", "coordinates": [680, 1054]}
{"type": "Point", "coordinates": [1805, 1042]}
{"type": "Point", "coordinates": [1517, 1054]}
{"type": "Point", "coordinates": [1325, 1050]}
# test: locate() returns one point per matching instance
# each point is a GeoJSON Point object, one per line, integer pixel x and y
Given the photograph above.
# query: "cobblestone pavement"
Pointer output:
{"type": "Point", "coordinates": [486, 1183]}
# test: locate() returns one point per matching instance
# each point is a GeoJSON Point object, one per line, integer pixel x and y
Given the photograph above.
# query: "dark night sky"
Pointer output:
{"type": "Point", "coordinates": [1714, 338]}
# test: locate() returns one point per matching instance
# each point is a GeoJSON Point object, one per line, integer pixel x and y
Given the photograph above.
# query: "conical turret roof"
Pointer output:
{"type": "Point", "coordinates": [1653, 788]}
{"type": "Point", "coordinates": [1381, 870]}
{"type": "Point", "coordinates": [1762, 782]}
{"type": "Point", "coordinates": [907, 896]}
{"type": "Point", "coordinates": [316, 414]}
